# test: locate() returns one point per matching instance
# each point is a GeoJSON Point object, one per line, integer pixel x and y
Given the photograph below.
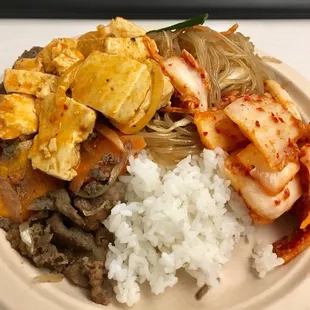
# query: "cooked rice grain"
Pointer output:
{"type": "Point", "coordinates": [265, 259]}
{"type": "Point", "coordinates": [173, 219]}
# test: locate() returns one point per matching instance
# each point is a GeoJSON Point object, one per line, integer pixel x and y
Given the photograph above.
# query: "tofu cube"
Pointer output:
{"type": "Point", "coordinates": [130, 47]}
{"type": "Point", "coordinates": [55, 149]}
{"type": "Point", "coordinates": [66, 59]}
{"type": "Point", "coordinates": [17, 116]}
{"type": "Point", "coordinates": [29, 64]}
{"type": "Point", "coordinates": [32, 83]}
{"type": "Point", "coordinates": [123, 28]}
{"type": "Point", "coordinates": [114, 85]}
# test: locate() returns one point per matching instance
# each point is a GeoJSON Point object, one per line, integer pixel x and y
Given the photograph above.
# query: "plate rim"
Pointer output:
{"type": "Point", "coordinates": [42, 300]}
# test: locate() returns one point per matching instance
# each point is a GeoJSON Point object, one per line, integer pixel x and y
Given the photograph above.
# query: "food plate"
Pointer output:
{"type": "Point", "coordinates": [284, 288]}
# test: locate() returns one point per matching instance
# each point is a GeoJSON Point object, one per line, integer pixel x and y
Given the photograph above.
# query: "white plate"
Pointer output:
{"type": "Point", "coordinates": [285, 288]}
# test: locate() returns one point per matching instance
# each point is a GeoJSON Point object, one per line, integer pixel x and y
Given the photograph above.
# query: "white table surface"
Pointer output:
{"type": "Point", "coordinates": [288, 40]}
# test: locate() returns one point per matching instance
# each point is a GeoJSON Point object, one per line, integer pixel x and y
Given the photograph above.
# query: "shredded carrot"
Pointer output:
{"type": "Point", "coordinates": [231, 30]}
{"type": "Point", "coordinates": [24, 183]}
{"type": "Point", "coordinates": [93, 152]}
{"type": "Point", "coordinates": [176, 110]}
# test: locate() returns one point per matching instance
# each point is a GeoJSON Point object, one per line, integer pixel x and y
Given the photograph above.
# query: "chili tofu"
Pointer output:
{"type": "Point", "coordinates": [17, 116]}
{"type": "Point", "coordinates": [66, 59]}
{"type": "Point", "coordinates": [130, 47]}
{"type": "Point", "coordinates": [52, 51]}
{"type": "Point", "coordinates": [55, 150]}
{"type": "Point", "coordinates": [28, 82]}
{"type": "Point", "coordinates": [114, 85]}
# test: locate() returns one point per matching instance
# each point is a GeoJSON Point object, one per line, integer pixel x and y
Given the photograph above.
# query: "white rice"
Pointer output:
{"type": "Point", "coordinates": [173, 219]}
{"type": "Point", "coordinates": [265, 259]}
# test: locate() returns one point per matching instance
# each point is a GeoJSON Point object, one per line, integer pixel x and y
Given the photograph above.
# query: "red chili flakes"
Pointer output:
{"type": "Point", "coordinates": [202, 75]}
{"type": "Point", "coordinates": [277, 155]}
{"type": "Point", "coordinates": [286, 194]}
{"type": "Point", "coordinates": [247, 98]}
{"type": "Point", "coordinates": [257, 124]}
{"type": "Point", "coordinates": [217, 130]}
{"type": "Point", "coordinates": [66, 107]}
{"type": "Point", "coordinates": [239, 192]}
{"type": "Point", "coordinates": [277, 202]}
{"type": "Point", "coordinates": [169, 65]}
{"type": "Point", "coordinates": [196, 105]}
{"type": "Point", "coordinates": [252, 167]}
{"type": "Point", "coordinates": [260, 109]}
{"type": "Point", "coordinates": [274, 118]}
{"type": "Point", "coordinates": [281, 119]}
{"type": "Point", "coordinates": [205, 133]}
{"type": "Point", "coordinates": [53, 118]}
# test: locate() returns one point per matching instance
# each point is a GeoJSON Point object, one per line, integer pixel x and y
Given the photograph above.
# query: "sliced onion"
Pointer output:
{"type": "Point", "coordinates": [65, 82]}
{"type": "Point", "coordinates": [116, 171]}
{"type": "Point", "coordinates": [157, 89]}
{"type": "Point", "coordinates": [48, 278]}
{"type": "Point", "coordinates": [271, 59]}
{"type": "Point", "coordinates": [95, 211]}
{"type": "Point", "coordinates": [180, 123]}
{"type": "Point", "coordinates": [25, 235]}
{"type": "Point", "coordinates": [100, 253]}
{"type": "Point", "coordinates": [111, 135]}
{"type": "Point", "coordinates": [10, 201]}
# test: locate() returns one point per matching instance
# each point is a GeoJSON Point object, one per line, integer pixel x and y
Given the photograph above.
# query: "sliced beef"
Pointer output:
{"type": "Point", "coordinates": [71, 237]}
{"type": "Point", "coordinates": [115, 193]}
{"type": "Point", "coordinates": [111, 160]}
{"type": "Point", "coordinates": [13, 236]}
{"type": "Point", "coordinates": [99, 174]}
{"type": "Point", "coordinates": [75, 272]}
{"type": "Point", "coordinates": [93, 189]}
{"type": "Point", "coordinates": [43, 253]}
{"type": "Point", "coordinates": [5, 224]}
{"type": "Point", "coordinates": [83, 204]}
{"type": "Point", "coordinates": [103, 237]}
{"type": "Point", "coordinates": [62, 203]}
{"type": "Point", "coordinates": [42, 203]}
{"type": "Point", "coordinates": [101, 289]}
{"type": "Point", "coordinates": [39, 216]}
{"type": "Point", "coordinates": [32, 53]}
{"type": "Point", "coordinates": [46, 254]}
{"type": "Point", "coordinates": [2, 89]}
{"type": "Point", "coordinates": [58, 200]}
{"type": "Point", "coordinates": [94, 222]}
{"type": "Point", "coordinates": [8, 148]}
{"type": "Point", "coordinates": [104, 203]}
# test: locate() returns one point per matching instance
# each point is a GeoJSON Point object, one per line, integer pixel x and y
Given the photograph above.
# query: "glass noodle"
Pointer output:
{"type": "Point", "coordinates": [232, 65]}
{"type": "Point", "coordinates": [171, 137]}
{"type": "Point", "coordinates": [228, 58]}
